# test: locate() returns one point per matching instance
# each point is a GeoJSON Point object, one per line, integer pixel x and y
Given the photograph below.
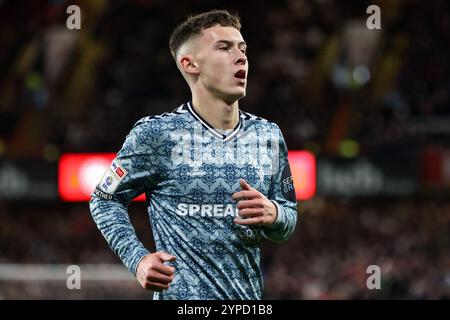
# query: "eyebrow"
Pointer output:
{"type": "Point", "coordinates": [228, 42]}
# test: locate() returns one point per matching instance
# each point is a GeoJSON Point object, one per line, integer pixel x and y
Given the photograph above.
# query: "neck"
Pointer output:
{"type": "Point", "coordinates": [217, 112]}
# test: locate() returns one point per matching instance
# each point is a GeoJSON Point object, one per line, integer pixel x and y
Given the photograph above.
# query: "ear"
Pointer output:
{"type": "Point", "coordinates": [188, 65]}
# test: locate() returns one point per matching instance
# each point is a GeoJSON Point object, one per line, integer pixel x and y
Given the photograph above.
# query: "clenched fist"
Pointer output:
{"type": "Point", "coordinates": [153, 274]}
{"type": "Point", "coordinates": [254, 207]}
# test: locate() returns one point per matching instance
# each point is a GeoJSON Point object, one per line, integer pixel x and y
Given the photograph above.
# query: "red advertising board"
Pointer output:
{"type": "Point", "coordinates": [303, 169]}
{"type": "Point", "coordinates": [78, 174]}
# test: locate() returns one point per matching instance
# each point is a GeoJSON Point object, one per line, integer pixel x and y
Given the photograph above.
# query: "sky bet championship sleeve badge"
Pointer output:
{"type": "Point", "coordinates": [287, 184]}
{"type": "Point", "coordinates": [112, 177]}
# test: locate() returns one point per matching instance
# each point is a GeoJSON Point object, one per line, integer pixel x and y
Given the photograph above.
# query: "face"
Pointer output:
{"type": "Point", "coordinates": [220, 54]}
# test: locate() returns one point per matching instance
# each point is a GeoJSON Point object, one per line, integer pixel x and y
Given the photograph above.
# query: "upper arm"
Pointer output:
{"type": "Point", "coordinates": [135, 169]}
{"type": "Point", "coordinates": [282, 186]}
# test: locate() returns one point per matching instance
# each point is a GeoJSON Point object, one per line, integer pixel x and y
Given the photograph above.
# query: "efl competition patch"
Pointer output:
{"type": "Point", "coordinates": [112, 177]}
{"type": "Point", "coordinates": [118, 169]}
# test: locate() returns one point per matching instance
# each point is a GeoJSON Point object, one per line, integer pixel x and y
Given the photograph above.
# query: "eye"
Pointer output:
{"type": "Point", "coordinates": [223, 48]}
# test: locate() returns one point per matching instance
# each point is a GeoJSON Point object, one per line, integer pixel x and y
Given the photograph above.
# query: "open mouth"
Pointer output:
{"type": "Point", "coordinates": [240, 74]}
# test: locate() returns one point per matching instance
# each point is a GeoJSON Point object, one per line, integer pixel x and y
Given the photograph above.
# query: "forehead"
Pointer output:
{"type": "Point", "coordinates": [216, 33]}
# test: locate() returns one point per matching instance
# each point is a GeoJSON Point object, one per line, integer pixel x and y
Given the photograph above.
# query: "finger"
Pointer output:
{"type": "Point", "coordinates": [154, 286]}
{"type": "Point", "coordinates": [160, 278]}
{"type": "Point", "coordinates": [244, 185]}
{"type": "Point", "coordinates": [162, 268]}
{"type": "Point", "coordinates": [249, 221]}
{"type": "Point", "coordinates": [167, 257]}
{"type": "Point", "coordinates": [245, 194]}
{"type": "Point", "coordinates": [250, 212]}
{"type": "Point", "coordinates": [254, 203]}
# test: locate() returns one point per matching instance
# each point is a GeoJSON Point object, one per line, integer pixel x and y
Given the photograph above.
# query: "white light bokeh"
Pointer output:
{"type": "Point", "coordinates": [90, 173]}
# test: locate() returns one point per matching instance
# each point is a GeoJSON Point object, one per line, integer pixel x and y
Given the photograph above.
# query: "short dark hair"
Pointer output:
{"type": "Point", "coordinates": [195, 24]}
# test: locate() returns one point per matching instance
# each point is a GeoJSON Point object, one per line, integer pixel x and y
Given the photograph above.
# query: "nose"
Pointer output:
{"type": "Point", "coordinates": [241, 58]}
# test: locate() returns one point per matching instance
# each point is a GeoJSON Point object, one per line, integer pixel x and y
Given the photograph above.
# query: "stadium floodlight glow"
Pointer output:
{"type": "Point", "coordinates": [303, 169]}
{"type": "Point", "coordinates": [79, 173]}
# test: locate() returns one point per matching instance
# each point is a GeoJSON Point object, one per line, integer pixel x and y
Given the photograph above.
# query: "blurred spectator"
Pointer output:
{"type": "Point", "coordinates": [118, 68]}
{"type": "Point", "coordinates": [327, 258]}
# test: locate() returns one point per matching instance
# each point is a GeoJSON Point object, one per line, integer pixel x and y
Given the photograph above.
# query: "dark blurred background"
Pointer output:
{"type": "Point", "coordinates": [371, 105]}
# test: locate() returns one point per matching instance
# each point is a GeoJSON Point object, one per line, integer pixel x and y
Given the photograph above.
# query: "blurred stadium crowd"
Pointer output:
{"type": "Point", "coordinates": [66, 89]}
{"type": "Point", "coordinates": [327, 257]}
{"type": "Point", "coordinates": [334, 87]}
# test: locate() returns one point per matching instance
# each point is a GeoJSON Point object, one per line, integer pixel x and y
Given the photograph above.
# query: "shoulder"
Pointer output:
{"type": "Point", "coordinates": [155, 130]}
{"type": "Point", "coordinates": [162, 119]}
{"type": "Point", "coordinates": [258, 121]}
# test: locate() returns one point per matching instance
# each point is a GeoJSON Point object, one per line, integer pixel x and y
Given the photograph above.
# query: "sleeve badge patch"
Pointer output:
{"type": "Point", "coordinates": [112, 177]}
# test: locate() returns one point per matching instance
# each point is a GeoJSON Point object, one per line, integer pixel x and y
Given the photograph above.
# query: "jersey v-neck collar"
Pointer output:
{"type": "Point", "coordinates": [210, 128]}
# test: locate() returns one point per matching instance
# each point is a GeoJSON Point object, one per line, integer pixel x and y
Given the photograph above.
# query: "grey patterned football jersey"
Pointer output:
{"type": "Point", "coordinates": [188, 171]}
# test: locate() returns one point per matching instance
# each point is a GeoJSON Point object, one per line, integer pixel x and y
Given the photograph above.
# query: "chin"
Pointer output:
{"type": "Point", "coordinates": [240, 93]}
{"type": "Point", "coordinates": [232, 96]}
{"type": "Point", "coordinates": [236, 96]}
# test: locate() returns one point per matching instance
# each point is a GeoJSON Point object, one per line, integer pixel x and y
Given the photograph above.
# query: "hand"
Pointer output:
{"type": "Point", "coordinates": [253, 206]}
{"type": "Point", "coordinates": [153, 274]}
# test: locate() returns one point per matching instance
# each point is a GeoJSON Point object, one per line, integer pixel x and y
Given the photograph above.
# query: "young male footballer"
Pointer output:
{"type": "Point", "coordinates": [216, 178]}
